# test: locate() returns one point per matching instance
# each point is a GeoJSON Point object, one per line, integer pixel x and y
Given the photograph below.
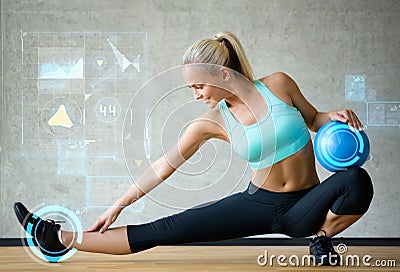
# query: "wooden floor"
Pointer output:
{"type": "Point", "coordinates": [201, 258]}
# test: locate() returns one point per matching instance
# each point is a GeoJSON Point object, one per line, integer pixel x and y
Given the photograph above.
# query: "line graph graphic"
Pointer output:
{"type": "Point", "coordinates": [54, 70]}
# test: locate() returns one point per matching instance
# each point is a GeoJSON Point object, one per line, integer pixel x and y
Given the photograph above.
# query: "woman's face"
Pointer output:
{"type": "Point", "coordinates": [205, 86]}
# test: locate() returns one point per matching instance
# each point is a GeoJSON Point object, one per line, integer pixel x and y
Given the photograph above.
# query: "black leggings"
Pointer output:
{"type": "Point", "coordinates": [257, 211]}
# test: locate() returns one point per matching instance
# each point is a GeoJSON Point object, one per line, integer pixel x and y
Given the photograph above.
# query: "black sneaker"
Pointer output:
{"type": "Point", "coordinates": [44, 232]}
{"type": "Point", "coordinates": [322, 249]}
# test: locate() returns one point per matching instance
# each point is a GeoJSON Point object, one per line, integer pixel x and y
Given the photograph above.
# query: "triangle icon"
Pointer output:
{"type": "Point", "coordinates": [128, 137]}
{"type": "Point", "coordinates": [60, 118]}
{"type": "Point", "coordinates": [125, 63]}
{"type": "Point", "coordinates": [137, 66]}
{"type": "Point", "coordinates": [87, 96]}
{"type": "Point", "coordinates": [138, 162]}
{"type": "Point", "coordinates": [99, 62]}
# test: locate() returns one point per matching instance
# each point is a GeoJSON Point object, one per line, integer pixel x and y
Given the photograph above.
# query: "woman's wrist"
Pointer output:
{"type": "Point", "coordinates": [125, 201]}
{"type": "Point", "coordinates": [122, 203]}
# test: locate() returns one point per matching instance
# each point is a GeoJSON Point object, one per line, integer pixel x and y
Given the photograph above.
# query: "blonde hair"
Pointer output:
{"type": "Point", "coordinates": [225, 49]}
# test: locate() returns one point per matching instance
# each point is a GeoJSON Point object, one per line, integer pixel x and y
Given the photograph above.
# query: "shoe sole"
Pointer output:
{"type": "Point", "coordinates": [22, 213]}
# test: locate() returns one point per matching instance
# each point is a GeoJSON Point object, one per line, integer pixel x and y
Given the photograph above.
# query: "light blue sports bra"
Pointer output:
{"type": "Point", "coordinates": [280, 134]}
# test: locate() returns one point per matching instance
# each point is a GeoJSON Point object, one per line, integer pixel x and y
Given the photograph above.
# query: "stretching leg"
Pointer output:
{"type": "Point", "coordinates": [113, 241]}
{"type": "Point", "coordinates": [235, 216]}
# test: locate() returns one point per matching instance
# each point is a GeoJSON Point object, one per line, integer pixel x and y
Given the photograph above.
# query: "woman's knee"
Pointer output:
{"type": "Point", "coordinates": [360, 181]}
{"type": "Point", "coordinates": [359, 193]}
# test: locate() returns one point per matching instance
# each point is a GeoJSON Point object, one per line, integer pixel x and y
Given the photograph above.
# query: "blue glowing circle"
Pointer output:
{"type": "Point", "coordinates": [338, 147]}
{"type": "Point", "coordinates": [51, 211]}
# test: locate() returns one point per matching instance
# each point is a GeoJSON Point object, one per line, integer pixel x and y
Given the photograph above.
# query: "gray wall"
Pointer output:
{"type": "Point", "coordinates": [318, 43]}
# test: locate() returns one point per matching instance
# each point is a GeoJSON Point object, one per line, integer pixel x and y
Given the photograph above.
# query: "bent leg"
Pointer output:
{"type": "Point", "coordinates": [113, 241]}
{"type": "Point", "coordinates": [334, 204]}
{"type": "Point", "coordinates": [335, 223]}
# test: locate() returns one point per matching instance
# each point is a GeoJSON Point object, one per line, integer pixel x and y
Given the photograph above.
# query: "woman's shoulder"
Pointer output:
{"type": "Point", "coordinates": [277, 78]}
{"type": "Point", "coordinates": [281, 85]}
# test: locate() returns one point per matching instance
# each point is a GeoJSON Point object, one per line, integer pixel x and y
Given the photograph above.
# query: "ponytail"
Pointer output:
{"type": "Point", "coordinates": [225, 49]}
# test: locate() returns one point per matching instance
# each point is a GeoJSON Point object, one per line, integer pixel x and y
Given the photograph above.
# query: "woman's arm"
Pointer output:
{"type": "Point", "coordinates": [195, 135]}
{"type": "Point", "coordinates": [314, 119]}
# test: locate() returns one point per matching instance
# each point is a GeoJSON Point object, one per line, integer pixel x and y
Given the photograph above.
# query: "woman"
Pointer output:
{"type": "Point", "coordinates": [266, 121]}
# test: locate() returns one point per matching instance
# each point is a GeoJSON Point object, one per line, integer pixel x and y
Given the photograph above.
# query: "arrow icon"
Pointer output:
{"type": "Point", "coordinates": [138, 162]}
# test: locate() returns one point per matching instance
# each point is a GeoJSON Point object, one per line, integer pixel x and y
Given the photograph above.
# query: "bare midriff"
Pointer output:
{"type": "Point", "coordinates": [294, 173]}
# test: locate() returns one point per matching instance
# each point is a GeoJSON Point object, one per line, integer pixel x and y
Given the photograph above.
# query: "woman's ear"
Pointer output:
{"type": "Point", "coordinates": [225, 73]}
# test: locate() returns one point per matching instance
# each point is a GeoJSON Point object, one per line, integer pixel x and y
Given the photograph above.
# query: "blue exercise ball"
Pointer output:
{"type": "Point", "coordinates": [338, 147]}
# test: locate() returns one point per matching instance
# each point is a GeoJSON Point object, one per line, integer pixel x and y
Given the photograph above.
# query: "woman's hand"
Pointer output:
{"type": "Point", "coordinates": [106, 219]}
{"type": "Point", "coordinates": [346, 116]}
